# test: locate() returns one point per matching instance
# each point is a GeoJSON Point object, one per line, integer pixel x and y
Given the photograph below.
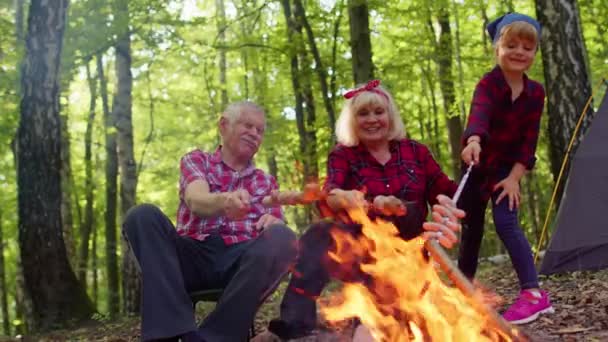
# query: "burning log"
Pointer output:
{"type": "Point", "coordinates": [467, 288]}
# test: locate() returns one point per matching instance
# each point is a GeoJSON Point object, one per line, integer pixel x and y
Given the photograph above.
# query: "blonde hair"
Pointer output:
{"type": "Point", "coordinates": [345, 125]}
{"type": "Point", "coordinates": [519, 29]}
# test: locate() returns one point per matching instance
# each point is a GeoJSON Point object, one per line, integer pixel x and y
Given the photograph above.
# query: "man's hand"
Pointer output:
{"type": "Point", "coordinates": [510, 187]}
{"type": "Point", "coordinates": [389, 205]}
{"type": "Point", "coordinates": [266, 221]}
{"type": "Point", "coordinates": [446, 222]}
{"type": "Point", "coordinates": [236, 204]}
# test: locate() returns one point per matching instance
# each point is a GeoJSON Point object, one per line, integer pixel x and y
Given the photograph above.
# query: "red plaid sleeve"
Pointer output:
{"type": "Point", "coordinates": [437, 181]}
{"type": "Point", "coordinates": [193, 166]}
{"type": "Point", "coordinates": [337, 169]}
{"type": "Point", "coordinates": [481, 111]}
{"type": "Point", "coordinates": [531, 127]}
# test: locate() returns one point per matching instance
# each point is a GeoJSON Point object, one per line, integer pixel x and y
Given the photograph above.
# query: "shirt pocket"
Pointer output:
{"type": "Point", "coordinates": [411, 178]}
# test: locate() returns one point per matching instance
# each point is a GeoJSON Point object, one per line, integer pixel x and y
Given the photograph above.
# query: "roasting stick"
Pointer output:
{"type": "Point", "coordinates": [311, 193]}
{"type": "Point", "coordinates": [460, 280]}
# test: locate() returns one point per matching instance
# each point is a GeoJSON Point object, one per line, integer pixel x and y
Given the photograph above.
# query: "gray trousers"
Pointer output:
{"type": "Point", "coordinates": [173, 265]}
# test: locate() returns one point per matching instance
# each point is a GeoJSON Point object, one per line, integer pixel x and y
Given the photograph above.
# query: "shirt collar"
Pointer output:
{"type": "Point", "coordinates": [504, 86]}
{"type": "Point", "coordinates": [216, 158]}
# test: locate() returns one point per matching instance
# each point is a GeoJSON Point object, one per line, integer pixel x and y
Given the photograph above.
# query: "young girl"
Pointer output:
{"type": "Point", "coordinates": [500, 140]}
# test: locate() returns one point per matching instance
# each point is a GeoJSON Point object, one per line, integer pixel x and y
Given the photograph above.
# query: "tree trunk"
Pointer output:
{"type": "Point", "coordinates": [461, 105]}
{"type": "Point", "coordinates": [300, 17]}
{"type": "Point", "coordinates": [339, 9]}
{"type": "Point", "coordinates": [57, 296]}
{"type": "Point", "coordinates": [66, 191]}
{"type": "Point", "coordinates": [111, 174]}
{"type": "Point", "coordinates": [431, 125]}
{"type": "Point", "coordinates": [94, 266]}
{"type": "Point", "coordinates": [221, 36]}
{"type": "Point", "coordinates": [6, 325]}
{"type": "Point", "coordinates": [508, 6]}
{"type": "Point", "coordinates": [241, 12]}
{"type": "Point", "coordinates": [566, 76]}
{"type": "Point", "coordinates": [122, 108]}
{"type": "Point", "coordinates": [360, 42]}
{"type": "Point", "coordinates": [483, 7]}
{"type": "Point", "coordinates": [305, 121]}
{"type": "Point", "coordinates": [87, 223]}
{"type": "Point", "coordinates": [446, 83]}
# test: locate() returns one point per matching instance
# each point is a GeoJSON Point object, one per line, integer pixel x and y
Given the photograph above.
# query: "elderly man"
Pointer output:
{"type": "Point", "coordinates": [225, 238]}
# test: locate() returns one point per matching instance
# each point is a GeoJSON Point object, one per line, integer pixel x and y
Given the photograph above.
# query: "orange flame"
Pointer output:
{"type": "Point", "coordinates": [407, 300]}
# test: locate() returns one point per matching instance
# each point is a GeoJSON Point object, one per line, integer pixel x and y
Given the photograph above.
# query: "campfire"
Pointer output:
{"type": "Point", "coordinates": [406, 299]}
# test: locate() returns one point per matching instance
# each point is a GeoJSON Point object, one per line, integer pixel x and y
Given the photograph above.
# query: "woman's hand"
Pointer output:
{"type": "Point", "coordinates": [446, 222]}
{"type": "Point", "coordinates": [347, 199]}
{"type": "Point", "coordinates": [389, 205]}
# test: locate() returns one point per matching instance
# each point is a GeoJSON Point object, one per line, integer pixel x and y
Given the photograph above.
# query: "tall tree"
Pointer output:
{"type": "Point", "coordinates": [446, 84]}
{"type": "Point", "coordinates": [304, 99]}
{"type": "Point", "coordinates": [87, 222]}
{"type": "Point", "coordinates": [57, 296]}
{"type": "Point", "coordinates": [3, 288]}
{"type": "Point", "coordinates": [360, 41]}
{"type": "Point", "coordinates": [122, 112]}
{"type": "Point", "coordinates": [111, 175]}
{"type": "Point", "coordinates": [566, 75]}
{"type": "Point", "coordinates": [220, 12]}
{"type": "Point", "coordinates": [67, 189]}
{"type": "Point", "coordinates": [300, 16]}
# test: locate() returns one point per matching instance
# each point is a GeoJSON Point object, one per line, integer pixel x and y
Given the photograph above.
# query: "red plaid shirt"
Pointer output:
{"type": "Point", "coordinates": [221, 178]}
{"type": "Point", "coordinates": [411, 174]}
{"type": "Point", "coordinates": [508, 130]}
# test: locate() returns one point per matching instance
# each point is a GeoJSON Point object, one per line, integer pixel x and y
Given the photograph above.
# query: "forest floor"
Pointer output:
{"type": "Point", "coordinates": [580, 300]}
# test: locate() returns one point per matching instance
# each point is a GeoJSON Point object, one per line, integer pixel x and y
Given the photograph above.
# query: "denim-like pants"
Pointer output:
{"type": "Point", "coordinates": [507, 228]}
{"type": "Point", "coordinates": [173, 265]}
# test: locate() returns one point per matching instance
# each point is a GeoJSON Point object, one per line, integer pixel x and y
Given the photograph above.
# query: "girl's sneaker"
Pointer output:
{"type": "Point", "coordinates": [528, 307]}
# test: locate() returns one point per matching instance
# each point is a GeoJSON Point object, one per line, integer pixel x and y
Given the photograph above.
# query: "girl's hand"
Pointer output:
{"type": "Point", "coordinates": [510, 187]}
{"type": "Point", "coordinates": [470, 154]}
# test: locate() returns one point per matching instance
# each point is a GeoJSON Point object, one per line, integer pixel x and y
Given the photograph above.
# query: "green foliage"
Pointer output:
{"type": "Point", "coordinates": [176, 90]}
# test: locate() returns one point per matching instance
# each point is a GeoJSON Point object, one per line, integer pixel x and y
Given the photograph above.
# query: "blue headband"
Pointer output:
{"type": "Point", "coordinates": [496, 26]}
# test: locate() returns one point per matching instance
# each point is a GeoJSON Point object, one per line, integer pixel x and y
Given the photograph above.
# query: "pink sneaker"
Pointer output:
{"type": "Point", "coordinates": [528, 307]}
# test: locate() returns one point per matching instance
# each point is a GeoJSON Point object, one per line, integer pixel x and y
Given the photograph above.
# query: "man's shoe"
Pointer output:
{"type": "Point", "coordinates": [528, 307]}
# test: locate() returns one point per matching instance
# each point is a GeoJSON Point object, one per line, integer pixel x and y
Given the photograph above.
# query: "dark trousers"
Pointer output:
{"type": "Point", "coordinates": [172, 266]}
{"type": "Point", "coordinates": [313, 270]}
{"type": "Point", "coordinates": [507, 228]}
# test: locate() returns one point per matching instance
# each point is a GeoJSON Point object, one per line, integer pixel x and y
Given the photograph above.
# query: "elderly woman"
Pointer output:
{"type": "Point", "coordinates": [376, 168]}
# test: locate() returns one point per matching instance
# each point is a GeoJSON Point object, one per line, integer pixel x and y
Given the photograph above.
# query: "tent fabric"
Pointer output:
{"type": "Point", "coordinates": [580, 237]}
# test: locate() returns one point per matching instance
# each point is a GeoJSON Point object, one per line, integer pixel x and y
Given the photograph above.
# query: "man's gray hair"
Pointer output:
{"type": "Point", "coordinates": [234, 110]}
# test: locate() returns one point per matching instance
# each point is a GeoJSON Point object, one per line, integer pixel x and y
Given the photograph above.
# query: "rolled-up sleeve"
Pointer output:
{"type": "Point", "coordinates": [192, 166]}
{"type": "Point", "coordinates": [337, 170]}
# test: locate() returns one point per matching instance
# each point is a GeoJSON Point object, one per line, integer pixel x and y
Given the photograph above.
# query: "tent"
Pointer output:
{"type": "Point", "coordinates": [580, 237]}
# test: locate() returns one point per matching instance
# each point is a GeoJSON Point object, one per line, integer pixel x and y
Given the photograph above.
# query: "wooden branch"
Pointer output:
{"type": "Point", "coordinates": [467, 288]}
